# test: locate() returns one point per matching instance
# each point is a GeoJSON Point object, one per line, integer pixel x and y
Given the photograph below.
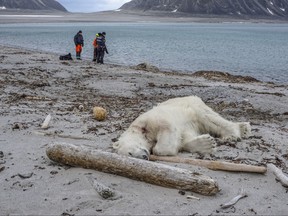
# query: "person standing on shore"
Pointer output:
{"type": "Point", "coordinates": [95, 47]}
{"type": "Point", "coordinates": [101, 48]}
{"type": "Point", "coordinates": [79, 43]}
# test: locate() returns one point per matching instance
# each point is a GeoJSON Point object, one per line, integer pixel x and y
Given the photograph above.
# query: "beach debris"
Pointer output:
{"type": "Point", "coordinates": [192, 197]}
{"type": "Point", "coordinates": [2, 161]}
{"type": "Point", "coordinates": [44, 133]}
{"type": "Point", "coordinates": [28, 97]}
{"type": "Point", "coordinates": [104, 191]}
{"type": "Point", "coordinates": [233, 201]}
{"type": "Point", "coordinates": [54, 172]}
{"type": "Point", "coordinates": [147, 171]}
{"type": "Point", "coordinates": [213, 165]}
{"type": "Point", "coordinates": [99, 113]}
{"type": "Point", "coordinates": [19, 126]}
{"type": "Point", "coordinates": [72, 181]}
{"type": "Point", "coordinates": [81, 107]}
{"type": "Point", "coordinates": [147, 67]}
{"type": "Point", "coordinates": [224, 76]}
{"type": "Point", "coordinates": [2, 168]}
{"type": "Point", "coordinates": [25, 175]}
{"type": "Point", "coordinates": [46, 122]}
{"type": "Point", "coordinates": [279, 174]}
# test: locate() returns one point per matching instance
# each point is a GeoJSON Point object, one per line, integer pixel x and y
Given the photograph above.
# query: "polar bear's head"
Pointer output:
{"type": "Point", "coordinates": [132, 145]}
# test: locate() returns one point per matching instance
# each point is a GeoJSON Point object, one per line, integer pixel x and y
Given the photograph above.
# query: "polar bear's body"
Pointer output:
{"type": "Point", "coordinates": [179, 124]}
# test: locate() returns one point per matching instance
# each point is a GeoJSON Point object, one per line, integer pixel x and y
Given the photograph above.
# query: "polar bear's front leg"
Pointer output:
{"type": "Point", "coordinates": [200, 144]}
{"type": "Point", "coordinates": [168, 142]}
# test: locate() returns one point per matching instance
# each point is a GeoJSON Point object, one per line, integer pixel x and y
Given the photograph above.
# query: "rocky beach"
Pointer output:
{"type": "Point", "coordinates": [35, 84]}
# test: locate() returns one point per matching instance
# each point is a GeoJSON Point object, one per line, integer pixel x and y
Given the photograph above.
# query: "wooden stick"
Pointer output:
{"type": "Point", "coordinates": [213, 165]}
{"type": "Point", "coordinates": [47, 133]}
{"type": "Point", "coordinates": [147, 171]}
{"type": "Point", "coordinates": [279, 174]}
{"type": "Point", "coordinates": [46, 122]}
{"type": "Point", "coordinates": [104, 191]}
{"type": "Point", "coordinates": [192, 197]}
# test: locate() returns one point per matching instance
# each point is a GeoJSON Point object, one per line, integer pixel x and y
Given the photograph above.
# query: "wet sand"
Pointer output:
{"type": "Point", "coordinates": [35, 84]}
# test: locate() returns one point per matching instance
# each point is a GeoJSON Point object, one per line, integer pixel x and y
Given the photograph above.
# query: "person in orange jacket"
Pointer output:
{"type": "Point", "coordinates": [79, 43]}
{"type": "Point", "coordinates": [95, 47]}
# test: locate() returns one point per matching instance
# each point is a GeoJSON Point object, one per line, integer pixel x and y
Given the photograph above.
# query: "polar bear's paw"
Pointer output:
{"type": "Point", "coordinates": [201, 144]}
{"type": "Point", "coordinates": [231, 139]}
{"type": "Point", "coordinates": [245, 129]}
{"type": "Point", "coordinates": [241, 130]}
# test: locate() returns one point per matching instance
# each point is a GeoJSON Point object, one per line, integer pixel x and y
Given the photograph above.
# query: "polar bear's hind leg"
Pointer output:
{"type": "Point", "coordinates": [238, 131]}
{"type": "Point", "coordinates": [218, 126]}
{"type": "Point", "coordinates": [200, 144]}
{"type": "Point", "coordinates": [167, 143]}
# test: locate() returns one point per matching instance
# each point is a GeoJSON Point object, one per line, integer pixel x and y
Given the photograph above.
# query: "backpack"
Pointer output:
{"type": "Point", "coordinates": [100, 41]}
{"type": "Point", "coordinates": [65, 57]}
{"type": "Point", "coordinates": [95, 43]}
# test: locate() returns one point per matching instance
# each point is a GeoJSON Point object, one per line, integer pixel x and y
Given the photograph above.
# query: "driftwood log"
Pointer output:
{"type": "Point", "coordinates": [147, 171]}
{"type": "Point", "coordinates": [213, 165]}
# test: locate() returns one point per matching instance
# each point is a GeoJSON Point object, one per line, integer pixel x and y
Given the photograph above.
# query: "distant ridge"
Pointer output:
{"type": "Point", "coordinates": [234, 8]}
{"type": "Point", "coordinates": [32, 5]}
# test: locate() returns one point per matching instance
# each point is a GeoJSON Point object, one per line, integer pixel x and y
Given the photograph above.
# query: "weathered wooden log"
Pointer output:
{"type": "Point", "coordinates": [147, 171]}
{"type": "Point", "coordinates": [214, 165]}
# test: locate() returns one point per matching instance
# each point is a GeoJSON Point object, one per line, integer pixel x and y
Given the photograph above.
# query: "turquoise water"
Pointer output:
{"type": "Point", "coordinates": [258, 50]}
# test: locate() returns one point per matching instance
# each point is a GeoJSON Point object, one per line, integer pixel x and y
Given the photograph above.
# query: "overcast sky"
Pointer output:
{"type": "Point", "coordinates": [91, 5]}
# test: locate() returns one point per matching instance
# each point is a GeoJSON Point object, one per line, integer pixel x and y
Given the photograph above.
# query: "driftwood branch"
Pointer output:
{"type": "Point", "coordinates": [279, 174]}
{"type": "Point", "coordinates": [213, 165]}
{"type": "Point", "coordinates": [104, 191]}
{"type": "Point", "coordinates": [147, 171]}
{"type": "Point", "coordinates": [47, 133]}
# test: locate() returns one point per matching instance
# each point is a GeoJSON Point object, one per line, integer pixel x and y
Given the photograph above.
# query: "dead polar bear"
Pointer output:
{"type": "Point", "coordinates": [179, 124]}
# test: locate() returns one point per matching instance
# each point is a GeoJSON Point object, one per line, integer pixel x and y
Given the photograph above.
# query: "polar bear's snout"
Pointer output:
{"type": "Point", "coordinates": [140, 153]}
{"type": "Point", "coordinates": [137, 153]}
{"type": "Point", "coordinates": [144, 154]}
{"type": "Point", "coordinates": [132, 150]}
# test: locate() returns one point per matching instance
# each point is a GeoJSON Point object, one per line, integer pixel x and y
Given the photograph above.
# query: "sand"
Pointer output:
{"type": "Point", "coordinates": [35, 84]}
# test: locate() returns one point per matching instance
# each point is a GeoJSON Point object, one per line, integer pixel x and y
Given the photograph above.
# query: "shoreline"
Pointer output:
{"type": "Point", "coordinates": [35, 84]}
{"type": "Point", "coordinates": [208, 74]}
{"type": "Point", "coordinates": [266, 70]}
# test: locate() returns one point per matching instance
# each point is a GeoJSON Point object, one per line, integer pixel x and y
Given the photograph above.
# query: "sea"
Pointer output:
{"type": "Point", "coordinates": [259, 50]}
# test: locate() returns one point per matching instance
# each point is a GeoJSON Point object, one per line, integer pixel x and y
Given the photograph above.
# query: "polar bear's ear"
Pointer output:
{"type": "Point", "coordinates": [116, 145]}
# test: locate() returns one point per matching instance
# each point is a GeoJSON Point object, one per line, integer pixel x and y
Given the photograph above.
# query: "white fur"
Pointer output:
{"type": "Point", "coordinates": [179, 124]}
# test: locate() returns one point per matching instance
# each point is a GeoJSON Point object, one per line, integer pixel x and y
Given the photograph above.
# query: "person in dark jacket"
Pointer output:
{"type": "Point", "coordinates": [79, 43]}
{"type": "Point", "coordinates": [101, 47]}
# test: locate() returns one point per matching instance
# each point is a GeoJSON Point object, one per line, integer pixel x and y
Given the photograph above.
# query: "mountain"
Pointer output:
{"type": "Point", "coordinates": [32, 5]}
{"type": "Point", "coordinates": [238, 8]}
